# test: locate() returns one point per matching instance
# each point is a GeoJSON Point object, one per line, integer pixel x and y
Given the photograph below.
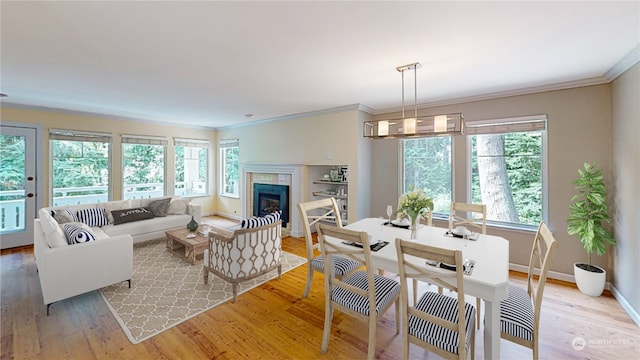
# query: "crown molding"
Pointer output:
{"type": "Point", "coordinates": [623, 65]}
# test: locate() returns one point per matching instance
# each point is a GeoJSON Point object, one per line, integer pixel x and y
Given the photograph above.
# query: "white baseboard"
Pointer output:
{"type": "Point", "coordinates": [552, 274]}
{"type": "Point", "coordinates": [635, 316]}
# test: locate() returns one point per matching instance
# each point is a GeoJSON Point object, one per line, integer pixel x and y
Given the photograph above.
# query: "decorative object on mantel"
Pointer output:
{"type": "Point", "coordinates": [416, 126]}
{"type": "Point", "coordinates": [192, 226]}
{"type": "Point", "coordinates": [587, 213]}
{"type": "Point", "coordinates": [413, 205]}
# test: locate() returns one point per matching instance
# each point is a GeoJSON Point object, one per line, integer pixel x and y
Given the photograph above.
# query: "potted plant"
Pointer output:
{"type": "Point", "coordinates": [587, 215]}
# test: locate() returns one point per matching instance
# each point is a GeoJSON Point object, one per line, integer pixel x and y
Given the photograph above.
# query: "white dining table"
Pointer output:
{"type": "Point", "coordinates": [488, 281]}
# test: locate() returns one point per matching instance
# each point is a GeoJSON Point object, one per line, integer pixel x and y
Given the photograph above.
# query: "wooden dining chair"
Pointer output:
{"type": "Point", "coordinates": [429, 222]}
{"type": "Point", "coordinates": [475, 217]}
{"type": "Point", "coordinates": [439, 323]}
{"type": "Point", "coordinates": [520, 311]}
{"type": "Point", "coordinates": [363, 294]}
{"type": "Point", "coordinates": [314, 212]}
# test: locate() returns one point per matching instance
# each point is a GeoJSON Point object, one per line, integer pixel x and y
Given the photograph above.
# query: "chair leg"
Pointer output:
{"type": "Point", "coordinates": [398, 316]}
{"type": "Point", "coordinates": [371, 352]}
{"type": "Point", "coordinates": [473, 345]}
{"type": "Point", "coordinates": [235, 291]}
{"type": "Point", "coordinates": [478, 304]}
{"type": "Point", "coordinates": [309, 280]}
{"type": "Point", "coordinates": [206, 276]}
{"type": "Point", "coordinates": [280, 271]}
{"type": "Point", "coordinates": [328, 316]}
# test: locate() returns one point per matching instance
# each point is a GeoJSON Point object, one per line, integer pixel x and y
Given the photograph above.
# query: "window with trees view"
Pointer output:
{"type": "Point", "coordinates": [427, 166]}
{"type": "Point", "coordinates": [80, 164]}
{"type": "Point", "coordinates": [507, 169]}
{"type": "Point", "coordinates": [143, 170]}
{"type": "Point", "coordinates": [191, 167]}
{"type": "Point", "coordinates": [229, 168]}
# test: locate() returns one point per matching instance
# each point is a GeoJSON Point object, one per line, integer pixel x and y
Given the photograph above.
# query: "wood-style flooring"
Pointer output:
{"type": "Point", "coordinates": [273, 321]}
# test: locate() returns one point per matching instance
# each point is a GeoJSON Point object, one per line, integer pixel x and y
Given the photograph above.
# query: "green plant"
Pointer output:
{"type": "Point", "coordinates": [588, 212]}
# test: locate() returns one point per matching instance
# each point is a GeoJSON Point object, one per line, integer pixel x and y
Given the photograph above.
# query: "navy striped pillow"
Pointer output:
{"type": "Point", "coordinates": [78, 233]}
{"type": "Point", "coordinates": [260, 221]}
{"type": "Point", "coordinates": [93, 217]}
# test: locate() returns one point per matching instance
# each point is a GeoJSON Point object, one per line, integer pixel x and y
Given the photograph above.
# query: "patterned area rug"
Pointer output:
{"type": "Point", "coordinates": [166, 290]}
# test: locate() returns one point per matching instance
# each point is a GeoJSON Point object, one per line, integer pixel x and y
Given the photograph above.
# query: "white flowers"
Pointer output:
{"type": "Point", "coordinates": [414, 203]}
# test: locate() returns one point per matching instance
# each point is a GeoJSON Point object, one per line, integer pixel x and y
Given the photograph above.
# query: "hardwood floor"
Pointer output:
{"type": "Point", "coordinates": [274, 322]}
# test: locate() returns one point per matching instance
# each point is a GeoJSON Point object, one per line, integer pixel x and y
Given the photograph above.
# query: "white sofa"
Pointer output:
{"type": "Point", "coordinates": [70, 270]}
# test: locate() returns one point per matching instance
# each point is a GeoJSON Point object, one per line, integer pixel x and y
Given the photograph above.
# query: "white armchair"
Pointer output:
{"type": "Point", "coordinates": [243, 254]}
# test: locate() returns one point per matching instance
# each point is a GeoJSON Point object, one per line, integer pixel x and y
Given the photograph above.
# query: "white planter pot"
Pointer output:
{"type": "Point", "coordinates": [589, 282]}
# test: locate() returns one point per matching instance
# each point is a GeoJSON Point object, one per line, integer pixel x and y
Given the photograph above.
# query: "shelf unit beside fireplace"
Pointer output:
{"type": "Point", "coordinates": [339, 190]}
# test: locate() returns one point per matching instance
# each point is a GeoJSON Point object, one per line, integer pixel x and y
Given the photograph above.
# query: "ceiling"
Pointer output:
{"type": "Point", "coordinates": [208, 64]}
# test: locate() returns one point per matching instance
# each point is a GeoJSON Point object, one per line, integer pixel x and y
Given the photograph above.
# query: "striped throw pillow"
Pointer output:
{"type": "Point", "coordinates": [257, 221]}
{"type": "Point", "coordinates": [78, 233]}
{"type": "Point", "coordinates": [93, 217]}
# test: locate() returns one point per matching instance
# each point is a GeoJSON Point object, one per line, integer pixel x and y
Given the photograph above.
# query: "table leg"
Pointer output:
{"type": "Point", "coordinates": [190, 254]}
{"type": "Point", "coordinates": [491, 329]}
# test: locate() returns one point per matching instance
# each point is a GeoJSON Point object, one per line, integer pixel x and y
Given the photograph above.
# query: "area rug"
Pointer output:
{"type": "Point", "coordinates": [166, 290]}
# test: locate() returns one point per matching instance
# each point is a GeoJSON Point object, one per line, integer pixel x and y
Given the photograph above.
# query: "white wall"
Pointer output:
{"type": "Point", "coordinates": [626, 183]}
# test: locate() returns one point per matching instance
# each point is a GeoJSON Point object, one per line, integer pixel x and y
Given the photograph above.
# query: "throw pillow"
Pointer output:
{"type": "Point", "coordinates": [77, 233]}
{"type": "Point", "coordinates": [64, 216]}
{"type": "Point", "coordinates": [52, 232]}
{"type": "Point", "coordinates": [129, 215]}
{"type": "Point", "coordinates": [115, 205]}
{"type": "Point", "coordinates": [257, 221]}
{"type": "Point", "coordinates": [178, 206]}
{"type": "Point", "coordinates": [159, 207]}
{"type": "Point", "coordinates": [92, 217]}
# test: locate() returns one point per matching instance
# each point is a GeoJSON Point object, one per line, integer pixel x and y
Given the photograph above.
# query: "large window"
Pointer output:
{"type": "Point", "coordinates": [143, 173]}
{"type": "Point", "coordinates": [80, 163]}
{"type": "Point", "coordinates": [507, 169]}
{"type": "Point", "coordinates": [229, 168]}
{"type": "Point", "coordinates": [427, 166]}
{"type": "Point", "coordinates": [191, 160]}
{"type": "Point", "coordinates": [506, 161]}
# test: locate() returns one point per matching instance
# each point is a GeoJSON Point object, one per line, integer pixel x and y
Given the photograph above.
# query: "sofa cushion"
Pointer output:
{"type": "Point", "coordinates": [129, 215]}
{"type": "Point", "coordinates": [115, 205]}
{"type": "Point", "coordinates": [52, 232]}
{"type": "Point", "coordinates": [148, 226]}
{"type": "Point", "coordinates": [178, 206]}
{"type": "Point", "coordinates": [63, 216]}
{"type": "Point", "coordinates": [92, 217]}
{"type": "Point", "coordinates": [77, 233]}
{"type": "Point", "coordinates": [159, 207]}
{"type": "Point", "coordinates": [260, 221]}
{"type": "Point", "coordinates": [146, 201]}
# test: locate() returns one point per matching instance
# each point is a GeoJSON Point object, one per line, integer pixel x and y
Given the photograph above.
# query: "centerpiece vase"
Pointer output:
{"type": "Point", "coordinates": [414, 227]}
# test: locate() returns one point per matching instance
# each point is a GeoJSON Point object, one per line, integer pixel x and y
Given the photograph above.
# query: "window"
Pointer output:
{"type": "Point", "coordinates": [80, 164]}
{"type": "Point", "coordinates": [229, 168]}
{"type": "Point", "coordinates": [143, 166]}
{"type": "Point", "coordinates": [191, 164]}
{"type": "Point", "coordinates": [508, 169]}
{"type": "Point", "coordinates": [427, 166]}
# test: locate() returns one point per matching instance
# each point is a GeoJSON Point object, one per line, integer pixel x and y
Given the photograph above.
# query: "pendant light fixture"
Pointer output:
{"type": "Point", "coordinates": [414, 126]}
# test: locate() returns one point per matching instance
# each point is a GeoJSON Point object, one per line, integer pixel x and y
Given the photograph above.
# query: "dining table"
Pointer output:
{"type": "Point", "coordinates": [488, 280]}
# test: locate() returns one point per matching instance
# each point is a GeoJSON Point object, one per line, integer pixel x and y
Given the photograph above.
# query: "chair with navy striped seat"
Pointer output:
{"type": "Point", "coordinates": [314, 212]}
{"type": "Point", "coordinates": [439, 323]}
{"type": "Point", "coordinates": [363, 294]}
{"type": "Point", "coordinates": [520, 311]}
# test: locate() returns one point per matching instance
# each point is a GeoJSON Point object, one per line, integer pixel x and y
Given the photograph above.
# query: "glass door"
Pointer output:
{"type": "Point", "coordinates": [17, 185]}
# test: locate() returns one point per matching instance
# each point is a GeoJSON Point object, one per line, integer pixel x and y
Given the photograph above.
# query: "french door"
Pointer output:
{"type": "Point", "coordinates": [17, 185]}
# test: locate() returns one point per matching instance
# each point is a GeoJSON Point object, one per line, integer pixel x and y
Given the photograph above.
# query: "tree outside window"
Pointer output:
{"type": "Point", "coordinates": [191, 167]}
{"type": "Point", "coordinates": [143, 170]}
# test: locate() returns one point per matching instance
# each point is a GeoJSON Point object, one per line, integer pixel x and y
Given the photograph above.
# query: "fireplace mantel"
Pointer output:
{"type": "Point", "coordinates": [295, 195]}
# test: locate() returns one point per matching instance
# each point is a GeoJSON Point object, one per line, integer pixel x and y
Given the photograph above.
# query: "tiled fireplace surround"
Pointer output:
{"type": "Point", "coordinates": [281, 174]}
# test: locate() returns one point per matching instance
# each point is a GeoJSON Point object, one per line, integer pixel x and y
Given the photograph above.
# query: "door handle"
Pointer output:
{"type": "Point", "coordinates": [29, 195]}
{"type": "Point", "coordinates": [30, 178]}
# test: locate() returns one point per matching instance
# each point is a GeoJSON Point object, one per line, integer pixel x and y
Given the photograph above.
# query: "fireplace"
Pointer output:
{"type": "Point", "coordinates": [268, 198]}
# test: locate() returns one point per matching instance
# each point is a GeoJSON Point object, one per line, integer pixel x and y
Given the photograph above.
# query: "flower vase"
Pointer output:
{"type": "Point", "coordinates": [414, 228]}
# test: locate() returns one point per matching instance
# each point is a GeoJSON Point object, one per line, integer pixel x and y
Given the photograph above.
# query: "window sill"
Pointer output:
{"type": "Point", "coordinates": [193, 196]}
{"type": "Point", "coordinates": [231, 196]}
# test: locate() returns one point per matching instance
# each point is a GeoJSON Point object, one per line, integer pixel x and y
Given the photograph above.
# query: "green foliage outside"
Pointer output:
{"type": "Point", "coordinates": [11, 164]}
{"type": "Point", "coordinates": [427, 166]}
{"type": "Point", "coordinates": [231, 169]}
{"type": "Point", "coordinates": [79, 164]}
{"type": "Point", "coordinates": [143, 164]}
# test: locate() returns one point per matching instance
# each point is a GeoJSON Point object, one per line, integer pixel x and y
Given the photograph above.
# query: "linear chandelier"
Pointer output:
{"type": "Point", "coordinates": [415, 126]}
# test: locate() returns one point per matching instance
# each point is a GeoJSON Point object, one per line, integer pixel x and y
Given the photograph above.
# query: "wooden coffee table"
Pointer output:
{"type": "Point", "coordinates": [191, 249]}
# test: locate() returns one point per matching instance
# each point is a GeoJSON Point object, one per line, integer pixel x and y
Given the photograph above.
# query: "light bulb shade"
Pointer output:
{"type": "Point", "coordinates": [383, 128]}
{"type": "Point", "coordinates": [409, 126]}
{"type": "Point", "coordinates": [440, 123]}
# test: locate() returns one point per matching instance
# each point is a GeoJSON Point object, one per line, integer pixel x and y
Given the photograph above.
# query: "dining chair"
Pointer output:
{"type": "Point", "coordinates": [439, 323]}
{"type": "Point", "coordinates": [520, 311]}
{"type": "Point", "coordinates": [429, 222]}
{"type": "Point", "coordinates": [314, 212]}
{"type": "Point", "coordinates": [477, 219]}
{"type": "Point", "coordinates": [363, 294]}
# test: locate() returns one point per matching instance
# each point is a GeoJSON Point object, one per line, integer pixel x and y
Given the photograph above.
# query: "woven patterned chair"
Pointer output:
{"type": "Point", "coordinates": [312, 213]}
{"type": "Point", "coordinates": [363, 294]}
{"type": "Point", "coordinates": [243, 254]}
{"type": "Point", "coordinates": [478, 220]}
{"type": "Point", "coordinates": [439, 323]}
{"type": "Point", "coordinates": [520, 311]}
